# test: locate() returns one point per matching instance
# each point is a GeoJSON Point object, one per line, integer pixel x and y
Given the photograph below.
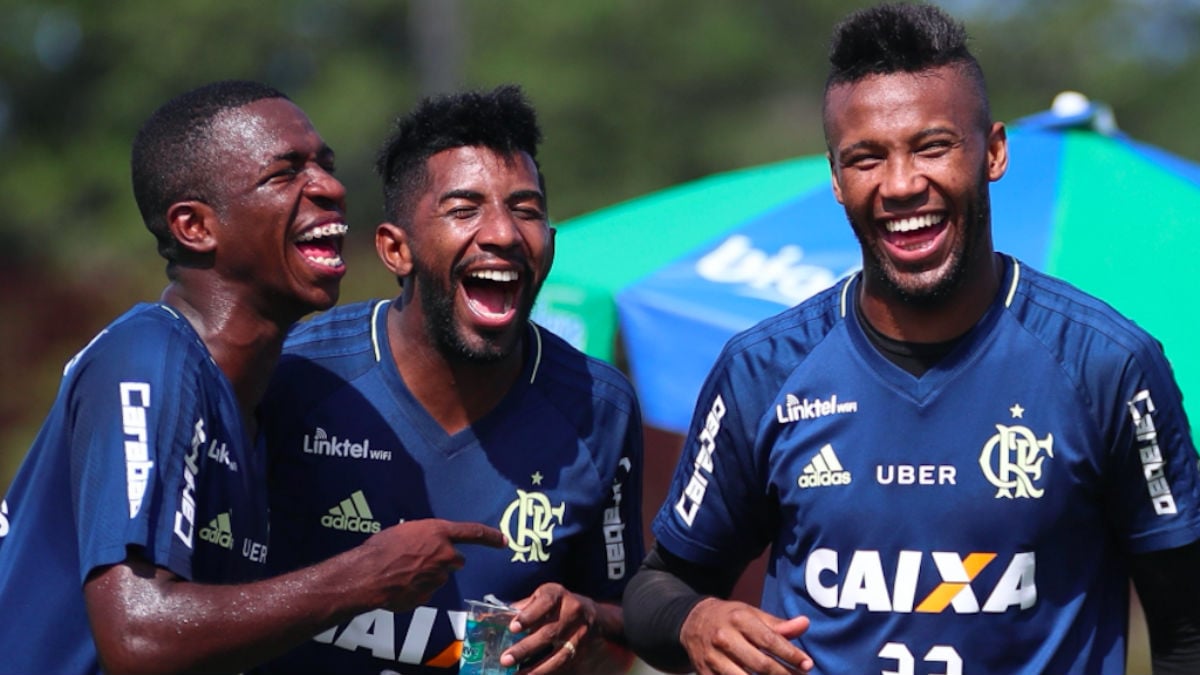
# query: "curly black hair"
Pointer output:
{"type": "Point", "coordinates": [501, 120]}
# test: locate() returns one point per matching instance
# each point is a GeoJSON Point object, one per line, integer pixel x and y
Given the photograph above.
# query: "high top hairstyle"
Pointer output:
{"type": "Point", "coordinates": [171, 159]}
{"type": "Point", "coordinates": [501, 120]}
{"type": "Point", "coordinates": [901, 38]}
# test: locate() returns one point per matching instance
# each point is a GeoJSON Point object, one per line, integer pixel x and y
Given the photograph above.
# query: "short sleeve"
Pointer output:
{"type": "Point", "coordinates": [1155, 495]}
{"type": "Point", "coordinates": [715, 511]}
{"type": "Point", "coordinates": [129, 396]}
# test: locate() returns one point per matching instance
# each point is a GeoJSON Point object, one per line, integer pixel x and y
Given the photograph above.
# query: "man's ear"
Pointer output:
{"type": "Point", "coordinates": [549, 257]}
{"type": "Point", "coordinates": [391, 243]}
{"type": "Point", "coordinates": [193, 224]}
{"type": "Point", "coordinates": [997, 152]}
{"type": "Point", "coordinates": [833, 175]}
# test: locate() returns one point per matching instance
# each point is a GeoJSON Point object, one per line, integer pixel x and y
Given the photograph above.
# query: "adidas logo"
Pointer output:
{"type": "Point", "coordinates": [218, 532]}
{"type": "Point", "coordinates": [824, 469]}
{"type": "Point", "coordinates": [352, 515]}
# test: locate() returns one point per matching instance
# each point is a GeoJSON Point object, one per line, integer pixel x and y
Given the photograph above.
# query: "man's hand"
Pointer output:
{"type": "Point", "coordinates": [147, 619]}
{"type": "Point", "coordinates": [723, 636]}
{"type": "Point", "coordinates": [410, 561]}
{"type": "Point", "coordinates": [567, 632]}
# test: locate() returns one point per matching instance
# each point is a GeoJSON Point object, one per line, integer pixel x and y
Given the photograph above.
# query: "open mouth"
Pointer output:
{"type": "Point", "coordinates": [492, 294]}
{"type": "Point", "coordinates": [322, 246]}
{"type": "Point", "coordinates": [915, 232]}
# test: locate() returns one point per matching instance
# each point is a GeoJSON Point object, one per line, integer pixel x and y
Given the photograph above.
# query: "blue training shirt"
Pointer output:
{"type": "Point", "coordinates": [144, 447]}
{"type": "Point", "coordinates": [556, 466]}
{"type": "Point", "coordinates": [977, 519]}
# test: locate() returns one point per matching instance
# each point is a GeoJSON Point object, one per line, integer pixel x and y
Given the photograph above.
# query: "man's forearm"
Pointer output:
{"type": "Point", "coordinates": [610, 654]}
{"type": "Point", "coordinates": [656, 605]}
{"type": "Point", "coordinates": [1171, 601]}
{"type": "Point", "coordinates": [610, 622]}
{"type": "Point", "coordinates": [146, 619]}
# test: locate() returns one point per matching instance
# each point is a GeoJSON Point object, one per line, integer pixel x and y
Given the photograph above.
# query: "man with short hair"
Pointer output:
{"type": "Point", "coordinates": [1006, 454]}
{"type": "Point", "coordinates": [448, 401]}
{"type": "Point", "coordinates": [135, 529]}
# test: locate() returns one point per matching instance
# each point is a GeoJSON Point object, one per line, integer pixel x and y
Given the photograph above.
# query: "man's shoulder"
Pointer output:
{"type": "Point", "coordinates": [322, 354]}
{"type": "Point", "coordinates": [343, 331]}
{"type": "Point", "coordinates": [1070, 318]}
{"type": "Point", "coordinates": [562, 367]}
{"type": "Point", "coordinates": [796, 330]}
{"type": "Point", "coordinates": [150, 321]}
{"type": "Point", "coordinates": [148, 333]}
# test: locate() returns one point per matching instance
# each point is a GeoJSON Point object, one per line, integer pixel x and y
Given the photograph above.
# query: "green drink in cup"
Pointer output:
{"type": "Point", "coordinates": [486, 638]}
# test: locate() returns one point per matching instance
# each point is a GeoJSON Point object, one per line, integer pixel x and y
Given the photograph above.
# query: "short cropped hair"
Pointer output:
{"type": "Point", "coordinates": [171, 159]}
{"type": "Point", "coordinates": [901, 38]}
{"type": "Point", "coordinates": [501, 120]}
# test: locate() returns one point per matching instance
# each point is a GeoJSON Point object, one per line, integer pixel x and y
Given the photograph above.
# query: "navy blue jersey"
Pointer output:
{"type": "Point", "coordinates": [976, 519]}
{"type": "Point", "coordinates": [556, 466]}
{"type": "Point", "coordinates": [144, 448]}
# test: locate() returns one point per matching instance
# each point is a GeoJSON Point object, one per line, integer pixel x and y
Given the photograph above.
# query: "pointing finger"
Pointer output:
{"type": "Point", "coordinates": [475, 533]}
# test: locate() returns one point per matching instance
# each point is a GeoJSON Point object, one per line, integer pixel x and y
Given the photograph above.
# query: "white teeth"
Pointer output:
{"type": "Point", "coordinates": [330, 230]}
{"type": "Point", "coordinates": [914, 223]}
{"type": "Point", "coordinates": [496, 275]}
{"type": "Point", "coordinates": [335, 261]}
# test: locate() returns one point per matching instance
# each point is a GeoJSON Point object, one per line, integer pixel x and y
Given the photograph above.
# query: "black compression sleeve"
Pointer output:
{"type": "Point", "coordinates": [659, 598]}
{"type": "Point", "coordinates": [1165, 582]}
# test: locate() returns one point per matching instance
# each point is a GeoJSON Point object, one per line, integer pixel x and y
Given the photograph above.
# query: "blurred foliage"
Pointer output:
{"type": "Point", "coordinates": [633, 95]}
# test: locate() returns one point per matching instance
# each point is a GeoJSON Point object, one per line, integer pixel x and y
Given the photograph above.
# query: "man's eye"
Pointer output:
{"type": "Point", "coordinates": [863, 161]}
{"type": "Point", "coordinates": [530, 213]}
{"type": "Point", "coordinates": [934, 149]}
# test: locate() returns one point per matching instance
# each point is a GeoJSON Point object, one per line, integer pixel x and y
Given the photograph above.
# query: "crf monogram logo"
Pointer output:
{"type": "Point", "coordinates": [1012, 461]}
{"type": "Point", "coordinates": [528, 524]}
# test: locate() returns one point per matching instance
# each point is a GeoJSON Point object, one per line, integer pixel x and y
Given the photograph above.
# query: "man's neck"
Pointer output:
{"type": "Point", "coordinates": [900, 320]}
{"type": "Point", "coordinates": [244, 344]}
{"type": "Point", "coordinates": [454, 391]}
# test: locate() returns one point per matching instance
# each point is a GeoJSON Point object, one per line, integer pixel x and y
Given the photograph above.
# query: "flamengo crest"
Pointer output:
{"type": "Point", "coordinates": [1012, 459]}
{"type": "Point", "coordinates": [528, 524]}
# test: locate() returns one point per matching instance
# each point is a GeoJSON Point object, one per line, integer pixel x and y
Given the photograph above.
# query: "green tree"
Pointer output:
{"type": "Point", "coordinates": [633, 95]}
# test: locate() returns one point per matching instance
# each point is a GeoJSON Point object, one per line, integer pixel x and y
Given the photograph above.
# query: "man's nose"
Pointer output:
{"type": "Point", "coordinates": [323, 186]}
{"type": "Point", "coordinates": [498, 228]}
{"type": "Point", "coordinates": [902, 179]}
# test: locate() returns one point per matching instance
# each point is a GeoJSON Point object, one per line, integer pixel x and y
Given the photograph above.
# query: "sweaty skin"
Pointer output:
{"type": "Point", "coordinates": [258, 277]}
{"type": "Point", "coordinates": [911, 162]}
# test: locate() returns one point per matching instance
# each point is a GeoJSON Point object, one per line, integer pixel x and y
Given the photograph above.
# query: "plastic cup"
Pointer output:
{"type": "Point", "coordinates": [486, 638]}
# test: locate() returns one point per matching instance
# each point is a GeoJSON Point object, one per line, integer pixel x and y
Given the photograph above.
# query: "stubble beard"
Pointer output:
{"type": "Point", "coordinates": [932, 287]}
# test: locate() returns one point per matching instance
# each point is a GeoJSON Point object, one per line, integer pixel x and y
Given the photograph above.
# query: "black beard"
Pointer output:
{"type": "Point", "coordinates": [977, 220]}
{"type": "Point", "coordinates": [437, 299]}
